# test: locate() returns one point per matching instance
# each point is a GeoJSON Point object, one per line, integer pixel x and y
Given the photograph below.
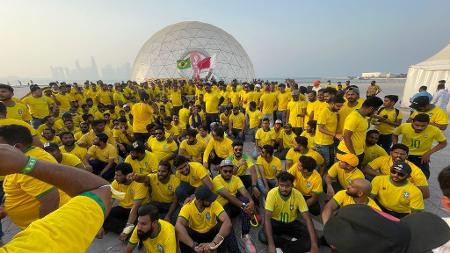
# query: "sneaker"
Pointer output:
{"type": "Point", "coordinates": [248, 245]}
{"type": "Point", "coordinates": [279, 250]}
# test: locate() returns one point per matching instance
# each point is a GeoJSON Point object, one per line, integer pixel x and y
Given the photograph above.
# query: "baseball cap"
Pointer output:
{"type": "Point", "coordinates": [349, 158]}
{"type": "Point", "coordinates": [204, 193]}
{"type": "Point", "coordinates": [316, 82]}
{"type": "Point", "coordinates": [420, 101]}
{"type": "Point", "coordinates": [278, 121]}
{"type": "Point", "coordinates": [34, 87]}
{"type": "Point", "coordinates": [354, 227]}
{"type": "Point", "coordinates": [50, 146]}
{"type": "Point", "coordinates": [402, 167]}
{"type": "Point", "coordinates": [225, 163]}
{"type": "Point", "coordinates": [138, 146]}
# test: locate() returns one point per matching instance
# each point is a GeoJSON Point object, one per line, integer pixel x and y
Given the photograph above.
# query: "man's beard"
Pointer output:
{"type": "Point", "coordinates": [69, 143]}
{"type": "Point", "coordinates": [352, 194]}
{"type": "Point", "coordinates": [143, 235]}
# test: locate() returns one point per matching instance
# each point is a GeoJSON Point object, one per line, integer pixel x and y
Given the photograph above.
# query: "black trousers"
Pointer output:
{"type": "Point", "coordinates": [385, 141]}
{"type": "Point", "coordinates": [314, 209]}
{"type": "Point", "coordinates": [210, 118]}
{"type": "Point", "coordinates": [417, 160]}
{"type": "Point", "coordinates": [116, 220]}
{"type": "Point", "coordinates": [294, 229]}
{"type": "Point", "coordinates": [229, 242]}
{"type": "Point", "coordinates": [141, 137]}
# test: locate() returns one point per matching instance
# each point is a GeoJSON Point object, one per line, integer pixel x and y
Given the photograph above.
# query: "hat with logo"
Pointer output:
{"type": "Point", "coordinates": [226, 163]}
{"type": "Point", "coordinates": [402, 167]}
{"type": "Point", "coordinates": [420, 101]}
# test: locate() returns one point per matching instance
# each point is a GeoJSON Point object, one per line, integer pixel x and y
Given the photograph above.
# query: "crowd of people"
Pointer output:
{"type": "Point", "coordinates": [173, 153]}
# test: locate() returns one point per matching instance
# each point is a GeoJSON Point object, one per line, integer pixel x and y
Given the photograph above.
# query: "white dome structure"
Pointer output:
{"type": "Point", "coordinates": [192, 49]}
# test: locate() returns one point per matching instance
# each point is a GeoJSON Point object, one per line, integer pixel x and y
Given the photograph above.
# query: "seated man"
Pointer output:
{"type": "Point", "coordinates": [268, 167]}
{"type": "Point", "coordinates": [372, 150]}
{"type": "Point", "coordinates": [162, 186]}
{"type": "Point", "coordinates": [191, 147]}
{"type": "Point", "coordinates": [218, 148]}
{"type": "Point", "coordinates": [102, 157]}
{"type": "Point", "coordinates": [345, 170]}
{"type": "Point", "coordinates": [162, 147]}
{"type": "Point", "coordinates": [287, 141]}
{"type": "Point", "coordinates": [308, 181]}
{"type": "Point", "coordinates": [263, 136]}
{"type": "Point", "coordinates": [235, 199]}
{"type": "Point", "coordinates": [399, 153]}
{"type": "Point", "coordinates": [301, 149]}
{"type": "Point", "coordinates": [236, 124]}
{"type": "Point", "coordinates": [69, 146]}
{"type": "Point", "coordinates": [122, 217]}
{"type": "Point", "coordinates": [358, 192]}
{"type": "Point", "coordinates": [395, 194]}
{"type": "Point", "coordinates": [281, 212]}
{"type": "Point", "coordinates": [155, 234]}
{"type": "Point", "coordinates": [142, 161]}
{"type": "Point", "coordinates": [203, 225]}
{"type": "Point", "coordinates": [192, 175]}
{"type": "Point", "coordinates": [63, 158]}
{"type": "Point", "coordinates": [244, 167]}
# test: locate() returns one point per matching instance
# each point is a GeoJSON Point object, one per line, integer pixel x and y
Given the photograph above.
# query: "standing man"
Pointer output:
{"type": "Point", "coordinates": [296, 112]}
{"type": "Point", "coordinates": [283, 98]}
{"type": "Point", "coordinates": [373, 89]}
{"type": "Point", "coordinates": [142, 116]}
{"type": "Point", "coordinates": [442, 97]}
{"type": "Point", "coordinates": [268, 103]}
{"type": "Point", "coordinates": [212, 102]}
{"type": "Point", "coordinates": [355, 127]}
{"type": "Point", "coordinates": [14, 109]}
{"type": "Point", "coordinates": [386, 120]}
{"type": "Point", "coordinates": [419, 136]}
{"type": "Point", "coordinates": [353, 102]}
{"type": "Point", "coordinates": [283, 205]}
{"type": "Point", "coordinates": [39, 106]}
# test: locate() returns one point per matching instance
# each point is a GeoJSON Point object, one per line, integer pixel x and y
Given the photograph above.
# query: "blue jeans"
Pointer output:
{"type": "Point", "coordinates": [327, 152]}
{"type": "Point", "coordinates": [183, 191]}
{"type": "Point", "coordinates": [262, 188]}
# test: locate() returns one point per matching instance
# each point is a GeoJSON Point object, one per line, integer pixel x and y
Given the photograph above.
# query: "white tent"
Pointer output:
{"type": "Point", "coordinates": [428, 73]}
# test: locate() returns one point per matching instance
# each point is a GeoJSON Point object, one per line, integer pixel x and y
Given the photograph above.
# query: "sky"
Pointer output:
{"type": "Point", "coordinates": [283, 38]}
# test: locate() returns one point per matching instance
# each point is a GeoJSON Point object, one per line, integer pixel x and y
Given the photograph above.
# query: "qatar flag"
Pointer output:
{"type": "Point", "coordinates": [206, 63]}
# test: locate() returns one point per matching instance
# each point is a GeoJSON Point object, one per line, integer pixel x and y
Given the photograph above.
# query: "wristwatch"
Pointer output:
{"type": "Point", "coordinates": [244, 205]}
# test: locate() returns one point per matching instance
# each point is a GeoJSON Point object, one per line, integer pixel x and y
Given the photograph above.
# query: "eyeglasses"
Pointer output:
{"type": "Point", "coordinates": [400, 174]}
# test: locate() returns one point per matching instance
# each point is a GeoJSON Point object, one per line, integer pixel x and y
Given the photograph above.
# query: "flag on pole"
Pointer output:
{"type": "Point", "coordinates": [184, 64]}
{"type": "Point", "coordinates": [206, 63]}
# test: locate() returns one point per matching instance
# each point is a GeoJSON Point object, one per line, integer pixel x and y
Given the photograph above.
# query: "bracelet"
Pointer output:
{"type": "Point", "coordinates": [29, 167]}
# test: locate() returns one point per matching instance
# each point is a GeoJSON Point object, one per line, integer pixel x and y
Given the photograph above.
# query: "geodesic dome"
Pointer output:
{"type": "Point", "coordinates": [159, 55]}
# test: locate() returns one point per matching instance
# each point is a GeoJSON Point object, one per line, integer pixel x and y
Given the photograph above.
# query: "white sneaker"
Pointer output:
{"type": "Point", "coordinates": [279, 250]}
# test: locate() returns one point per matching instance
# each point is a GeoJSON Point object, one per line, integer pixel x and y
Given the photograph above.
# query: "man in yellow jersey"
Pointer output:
{"type": "Point", "coordinates": [122, 218]}
{"type": "Point", "coordinates": [264, 136]}
{"type": "Point", "coordinates": [236, 124]}
{"type": "Point", "coordinates": [419, 136]}
{"type": "Point", "coordinates": [218, 148]}
{"type": "Point", "coordinates": [286, 141]}
{"type": "Point", "coordinates": [283, 98]}
{"type": "Point", "coordinates": [326, 131]}
{"type": "Point", "coordinates": [254, 117]}
{"type": "Point", "coordinates": [399, 153]}
{"type": "Point", "coordinates": [69, 146]}
{"type": "Point", "coordinates": [192, 175]}
{"type": "Point", "coordinates": [395, 194]}
{"type": "Point", "coordinates": [154, 234]}
{"type": "Point", "coordinates": [373, 89]}
{"type": "Point", "coordinates": [353, 102]}
{"type": "Point", "coordinates": [212, 102]}
{"type": "Point", "coordinates": [162, 186]}
{"type": "Point", "coordinates": [355, 128]}
{"type": "Point", "coordinates": [372, 150]}
{"type": "Point", "coordinates": [283, 205]}
{"type": "Point", "coordinates": [296, 112]}
{"type": "Point", "coordinates": [63, 158]}
{"type": "Point", "coordinates": [310, 133]}
{"type": "Point", "coordinates": [191, 147]}
{"type": "Point", "coordinates": [164, 149]}
{"type": "Point", "coordinates": [268, 103]}
{"type": "Point", "coordinates": [268, 167]}
{"type": "Point", "coordinates": [102, 156]}
{"type": "Point", "coordinates": [345, 171]}
{"type": "Point", "coordinates": [244, 167]}
{"type": "Point", "coordinates": [62, 99]}
{"type": "Point", "coordinates": [386, 120]}
{"type": "Point", "coordinates": [26, 198]}
{"type": "Point", "coordinates": [98, 127]}
{"type": "Point", "coordinates": [90, 202]}
{"type": "Point", "coordinates": [39, 106]}
{"type": "Point", "coordinates": [175, 98]}
{"type": "Point", "coordinates": [142, 116]}
{"type": "Point", "coordinates": [141, 160]}
{"type": "Point", "coordinates": [308, 181]}
{"type": "Point", "coordinates": [301, 149]}
{"type": "Point", "coordinates": [15, 110]}
{"type": "Point", "coordinates": [357, 192]}
{"type": "Point", "coordinates": [438, 117]}
{"type": "Point", "coordinates": [183, 115]}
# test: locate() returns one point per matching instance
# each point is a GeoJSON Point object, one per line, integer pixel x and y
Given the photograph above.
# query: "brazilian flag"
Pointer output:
{"type": "Point", "coordinates": [184, 64]}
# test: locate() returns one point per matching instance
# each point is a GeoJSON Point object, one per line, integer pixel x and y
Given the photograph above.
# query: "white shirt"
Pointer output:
{"type": "Point", "coordinates": [441, 98]}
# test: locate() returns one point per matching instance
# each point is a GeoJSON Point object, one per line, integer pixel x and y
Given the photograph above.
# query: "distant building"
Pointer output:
{"type": "Point", "coordinates": [368, 75]}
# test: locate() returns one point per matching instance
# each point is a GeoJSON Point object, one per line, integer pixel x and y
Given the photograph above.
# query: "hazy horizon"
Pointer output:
{"type": "Point", "coordinates": [283, 39]}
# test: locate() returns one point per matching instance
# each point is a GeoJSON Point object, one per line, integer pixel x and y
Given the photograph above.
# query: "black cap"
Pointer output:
{"type": "Point", "coordinates": [50, 146]}
{"type": "Point", "coordinates": [402, 167]}
{"type": "Point", "coordinates": [34, 87]}
{"type": "Point", "coordinates": [420, 101]}
{"type": "Point", "coordinates": [204, 193]}
{"type": "Point", "coordinates": [360, 228]}
{"type": "Point", "coordinates": [138, 146]}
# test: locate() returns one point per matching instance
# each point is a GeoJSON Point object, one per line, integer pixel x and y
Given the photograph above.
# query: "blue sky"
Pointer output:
{"type": "Point", "coordinates": [282, 38]}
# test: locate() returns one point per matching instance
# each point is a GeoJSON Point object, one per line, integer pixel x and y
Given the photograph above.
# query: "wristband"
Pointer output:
{"type": "Point", "coordinates": [29, 167]}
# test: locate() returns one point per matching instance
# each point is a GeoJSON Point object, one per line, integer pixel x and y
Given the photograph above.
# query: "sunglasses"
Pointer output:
{"type": "Point", "coordinates": [400, 174]}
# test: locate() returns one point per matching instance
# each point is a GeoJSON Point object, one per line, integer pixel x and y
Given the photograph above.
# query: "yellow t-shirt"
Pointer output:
{"type": "Point", "coordinates": [391, 115]}
{"type": "Point", "coordinates": [269, 102]}
{"type": "Point", "coordinates": [64, 224]}
{"type": "Point", "coordinates": [233, 97]}
{"type": "Point", "coordinates": [264, 137]}
{"type": "Point", "coordinates": [356, 123]}
{"type": "Point", "coordinates": [419, 143]}
{"type": "Point", "coordinates": [196, 174]}
{"type": "Point", "coordinates": [183, 115]}
{"type": "Point", "coordinates": [232, 186]}
{"type": "Point", "coordinates": [163, 192]}
{"type": "Point", "coordinates": [285, 209]}
{"type": "Point", "coordinates": [437, 116]}
{"type": "Point", "coordinates": [295, 108]}
{"type": "Point", "coordinates": [237, 121]}
{"type": "Point", "coordinates": [118, 96]}
{"type": "Point", "coordinates": [371, 153]}
{"type": "Point", "coordinates": [142, 116]}
{"type": "Point", "coordinates": [195, 151]}
{"type": "Point", "coordinates": [18, 111]}
{"type": "Point", "coordinates": [38, 107]}
{"type": "Point", "coordinates": [270, 169]}
{"type": "Point", "coordinates": [343, 199]}
{"type": "Point", "coordinates": [133, 192]}
{"type": "Point", "coordinates": [104, 155]}
{"type": "Point", "coordinates": [307, 186]}
{"type": "Point", "coordinates": [344, 177]}
{"type": "Point", "coordinates": [329, 120]}
{"type": "Point", "coordinates": [400, 199]}
{"type": "Point", "coordinates": [254, 118]}
{"type": "Point", "coordinates": [70, 160]}
{"type": "Point", "coordinates": [164, 242]}
{"type": "Point", "coordinates": [104, 97]}
{"type": "Point", "coordinates": [344, 112]}
{"type": "Point", "coordinates": [120, 136]}
{"type": "Point", "coordinates": [288, 139]}
{"type": "Point", "coordinates": [384, 165]}
{"type": "Point", "coordinates": [310, 137]}
{"type": "Point", "coordinates": [204, 221]}
{"type": "Point", "coordinates": [162, 149]}
{"type": "Point", "coordinates": [211, 102]}
{"type": "Point", "coordinates": [318, 107]}
{"type": "Point", "coordinates": [64, 100]}
{"type": "Point", "coordinates": [4, 122]}
{"type": "Point", "coordinates": [175, 97]}
{"type": "Point", "coordinates": [224, 119]}
{"type": "Point", "coordinates": [148, 164]}
{"type": "Point", "coordinates": [78, 151]}
{"type": "Point", "coordinates": [283, 100]}
{"type": "Point", "coordinates": [242, 164]}
{"type": "Point", "coordinates": [222, 149]}
{"type": "Point", "coordinates": [294, 156]}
